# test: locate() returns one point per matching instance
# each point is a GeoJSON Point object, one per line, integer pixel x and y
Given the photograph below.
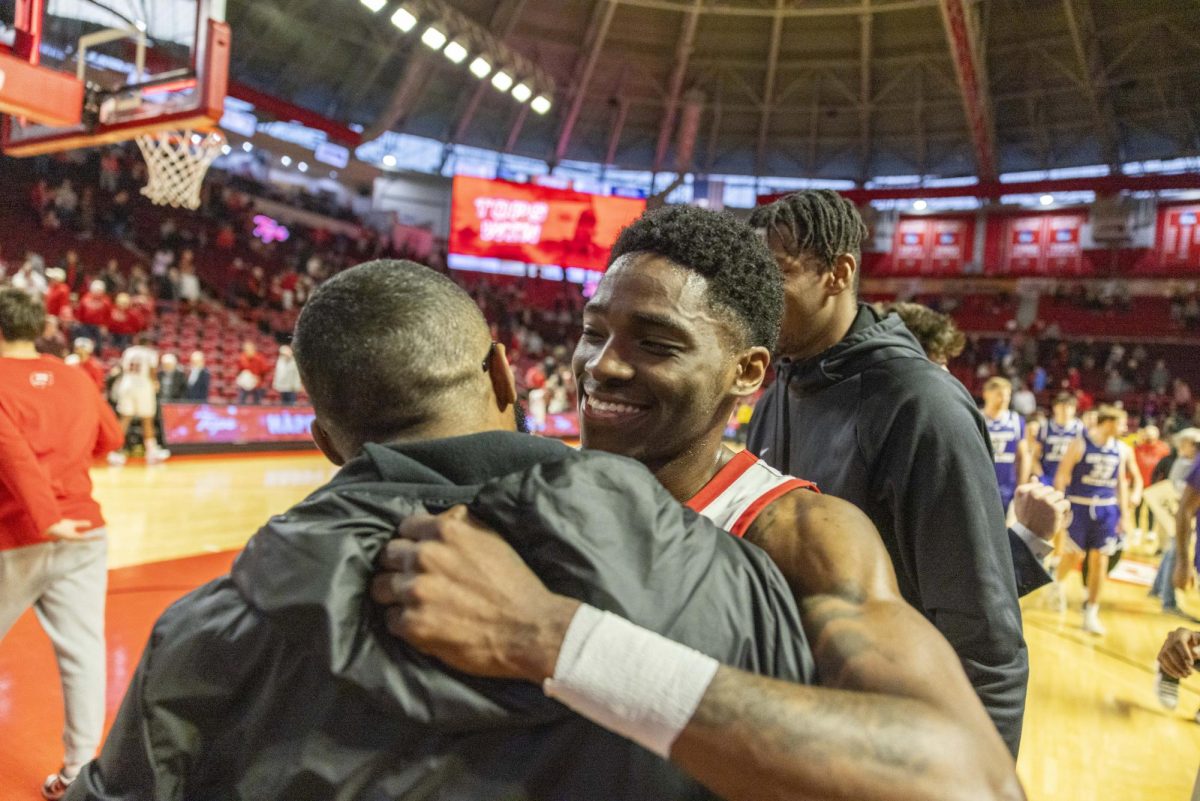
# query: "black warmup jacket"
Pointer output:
{"type": "Point", "coordinates": [279, 681]}
{"type": "Point", "coordinates": [873, 421]}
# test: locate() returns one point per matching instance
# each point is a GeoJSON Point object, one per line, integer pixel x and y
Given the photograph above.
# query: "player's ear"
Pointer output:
{"type": "Point", "coordinates": [752, 371]}
{"type": "Point", "coordinates": [504, 384]}
{"type": "Point", "coordinates": [841, 277]}
{"type": "Point", "coordinates": [325, 443]}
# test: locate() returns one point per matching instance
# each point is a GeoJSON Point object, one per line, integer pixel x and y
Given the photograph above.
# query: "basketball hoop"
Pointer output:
{"type": "Point", "coordinates": [178, 162]}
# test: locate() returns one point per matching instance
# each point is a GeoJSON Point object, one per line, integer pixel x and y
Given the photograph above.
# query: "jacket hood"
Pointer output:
{"type": "Point", "coordinates": [871, 341]}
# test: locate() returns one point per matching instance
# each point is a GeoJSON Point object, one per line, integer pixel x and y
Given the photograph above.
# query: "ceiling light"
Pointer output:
{"type": "Point", "coordinates": [455, 51]}
{"type": "Point", "coordinates": [502, 80]}
{"type": "Point", "coordinates": [433, 38]}
{"type": "Point", "coordinates": [389, 160]}
{"type": "Point", "coordinates": [374, 5]}
{"type": "Point", "coordinates": [404, 19]}
{"type": "Point", "coordinates": [286, 161]}
{"type": "Point", "coordinates": [247, 146]}
{"type": "Point", "coordinates": [1046, 200]}
{"type": "Point", "coordinates": [480, 68]}
{"type": "Point", "coordinates": [302, 166]}
{"type": "Point", "coordinates": [540, 104]}
{"type": "Point", "coordinates": [521, 92]}
{"type": "Point", "coordinates": [226, 150]}
{"type": "Point", "coordinates": [920, 205]}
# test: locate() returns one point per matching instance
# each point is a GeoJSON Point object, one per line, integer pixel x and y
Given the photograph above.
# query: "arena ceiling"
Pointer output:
{"type": "Point", "coordinates": [847, 89]}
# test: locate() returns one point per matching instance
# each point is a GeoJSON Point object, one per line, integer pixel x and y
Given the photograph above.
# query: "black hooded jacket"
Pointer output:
{"type": "Point", "coordinates": [279, 681]}
{"type": "Point", "coordinates": [874, 422]}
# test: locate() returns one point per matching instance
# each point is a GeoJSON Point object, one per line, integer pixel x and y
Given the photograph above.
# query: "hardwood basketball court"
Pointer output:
{"type": "Point", "coordinates": [1093, 727]}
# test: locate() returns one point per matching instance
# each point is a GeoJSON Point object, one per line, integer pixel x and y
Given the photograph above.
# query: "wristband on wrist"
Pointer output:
{"type": "Point", "coordinates": [631, 681]}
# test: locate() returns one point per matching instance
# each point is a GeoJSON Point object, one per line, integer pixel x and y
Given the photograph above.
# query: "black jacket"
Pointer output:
{"type": "Point", "coordinates": [876, 423]}
{"type": "Point", "coordinates": [196, 392]}
{"type": "Point", "coordinates": [171, 385]}
{"type": "Point", "coordinates": [278, 681]}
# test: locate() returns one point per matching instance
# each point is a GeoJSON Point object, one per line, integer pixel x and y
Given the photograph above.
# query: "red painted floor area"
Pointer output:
{"type": "Point", "coordinates": [31, 713]}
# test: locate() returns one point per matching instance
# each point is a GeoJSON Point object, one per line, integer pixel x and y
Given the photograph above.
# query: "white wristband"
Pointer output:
{"type": "Point", "coordinates": [631, 681]}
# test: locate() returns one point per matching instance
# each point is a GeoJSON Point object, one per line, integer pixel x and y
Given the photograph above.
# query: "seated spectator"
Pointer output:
{"type": "Point", "coordinates": [251, 376]}
{"type": "Point", "coordinates": [195, 388]}
{"type": "Point", "coordinates": [124, 323]}
{"type": "Point", "coordinates": [114, 282]}
{"type": "Point", "coordinates": [189, 284]}
{"type": "Point", "coordinates": [1182, 394]}
{"type": "Point", "coordinates": [172, 381]}
{"type": "Point", "coordinates": [58, 294]}
{"type": "Point", "coordinates": [287, 377]}
{"type": "Point", "coordinates": [83, 357]}
{"type": "Point", "coordinates": [93, 312]}
{"type": "Point", "coordinates": [66, 204]}
{"type": "Point", "coordinates": [73, 269]}
{"type": "Point", "coordinates": [1024, 402]}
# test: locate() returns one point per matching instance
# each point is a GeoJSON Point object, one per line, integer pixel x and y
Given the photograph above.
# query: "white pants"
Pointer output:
{"type": "Point", "coordinates": [66, 584]}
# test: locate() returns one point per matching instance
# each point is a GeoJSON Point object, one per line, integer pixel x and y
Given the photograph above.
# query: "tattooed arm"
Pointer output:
{"type": "Point", "coordinates": [458, 592]}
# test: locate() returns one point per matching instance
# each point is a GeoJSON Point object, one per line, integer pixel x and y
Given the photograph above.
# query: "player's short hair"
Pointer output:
{"type": "Point", "coordinates": [744, 283]}
{"type": "Point", "coordinates": [22, 318]}
{"type": "Point", "coordinates": [937, 333]}
{"type": "Point", "coordinates": [382, 347]}
{"type": "Point", "coordinates": [997, 382]}
{"type": "Point", "coordinates": [817, 222]}
{"type": "Point", "coordinates": [1106, 412]}
{"type": "Point", "coordinates": [1066, 399]}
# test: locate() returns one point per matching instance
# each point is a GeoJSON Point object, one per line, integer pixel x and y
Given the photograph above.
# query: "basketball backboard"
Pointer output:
{"type": "Point", "coordinates": [131, 66]}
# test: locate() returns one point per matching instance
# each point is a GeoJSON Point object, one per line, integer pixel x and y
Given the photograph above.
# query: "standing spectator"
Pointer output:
{"type": "Point", "coordinates": [124, 322]}
{"type": "Point", "coordinates": [1148, 452]}
{"type": "Point", "coordinates": [1024, 402]}
{"type": "Point", "coordinates": [1160, 378]}
{"type": "Point", "coordinates": [189, 284]}
{"type": "Point", "coordinates": [172, 381]}
{"type": "Point", "coordinates": [58, 294]}
{"type": "Point", "coordinates": [30, 281]}
{"type": "Point", "coordinates": [93, 312]}
{"type": "Point", "coordinates": [252, 372]}
{"type": "Point", "coordinates": [1183, 394]}
{"type": "Point", "coordinates": [85, 360]}
{"type": "Point", "coordinates": [66, 203]}
{"type": "Point", "coordinates": [52, 538]}
{"type": "Point", "coordinates": [137, 397]}
{"type": "Point", "coordinates": [73, 269]}
{"type": "Point", "coordinates": [287, 376]}
{"type": "Point", "coordinates": [114, 282]}
{"type": "Point", "coordinates": [110, 171]}
{"type": "Point", "coordinates": [198, 379]}
{"type": "Point", "coordinates": [52, 342]}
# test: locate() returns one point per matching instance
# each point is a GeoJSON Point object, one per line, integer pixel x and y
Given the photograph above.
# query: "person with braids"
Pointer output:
{"type": "Point", "coordinates": [858, 408]}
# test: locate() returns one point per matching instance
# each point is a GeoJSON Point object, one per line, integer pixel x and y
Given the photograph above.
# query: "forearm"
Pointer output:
{"type": "Point", "coordinates": [754, 738]}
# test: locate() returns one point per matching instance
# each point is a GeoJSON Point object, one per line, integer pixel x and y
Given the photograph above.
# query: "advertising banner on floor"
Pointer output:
{"type": "Point", "coordinates": [931, 246]}
{"type": "Point", "coordinates": [536, 224]}
{"type": "Point", "coordinates": [1036, 244]}
{"type": "Point", "coordinates": [1177, 240]}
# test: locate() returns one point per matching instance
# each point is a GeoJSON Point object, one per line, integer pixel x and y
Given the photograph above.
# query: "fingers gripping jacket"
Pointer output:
{"type": "Point", "coordinates": [631, 681]}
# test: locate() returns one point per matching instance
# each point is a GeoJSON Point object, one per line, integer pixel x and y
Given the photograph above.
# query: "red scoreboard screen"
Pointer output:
{"type": "Point", "coordinates": [536, 224]}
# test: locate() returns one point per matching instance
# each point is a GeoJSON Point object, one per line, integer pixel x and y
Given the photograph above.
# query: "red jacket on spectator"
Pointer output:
{"type": "Point", "coordinates": [95, 371]}
{"type": "Point", "coordinates": [255, 364]}
{"type": "Point", "coordinates": [94, 309]}
{"type": "Point", "coordinates": [125, 321]}
{"type": "Point", "coordinates": [58, 297]}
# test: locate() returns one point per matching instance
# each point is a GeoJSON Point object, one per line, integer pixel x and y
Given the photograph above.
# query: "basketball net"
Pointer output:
{"type": "Point", "coordinates": [177, 162]}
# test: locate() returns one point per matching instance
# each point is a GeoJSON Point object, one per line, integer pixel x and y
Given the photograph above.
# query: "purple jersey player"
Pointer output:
{"type": "Point", "coordinates": [1093, 476]}
{"type": "Point", "coordinates": [1057, 434]}
{"type": "Point", "coordinates": [1007, 432]}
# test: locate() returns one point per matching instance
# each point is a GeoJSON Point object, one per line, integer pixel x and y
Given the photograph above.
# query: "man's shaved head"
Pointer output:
{"type": "Point", "coordinates": [387, 347]}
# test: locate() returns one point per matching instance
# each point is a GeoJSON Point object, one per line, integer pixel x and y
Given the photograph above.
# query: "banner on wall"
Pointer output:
{"type": "Point", "coordinates": [932, 245]}
{"type": "Point", "coordinates": [1178, 238]}
{"type": "Point", "coordinates": [536, 224]}
{"type": "Point", "coordinates": [216, 424]}
{"type": "Point", "coordinates": [1036, 244]}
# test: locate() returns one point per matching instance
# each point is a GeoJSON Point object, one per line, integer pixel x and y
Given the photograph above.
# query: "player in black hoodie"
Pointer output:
{"type": "Point", "coordinates": [858, 408]}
